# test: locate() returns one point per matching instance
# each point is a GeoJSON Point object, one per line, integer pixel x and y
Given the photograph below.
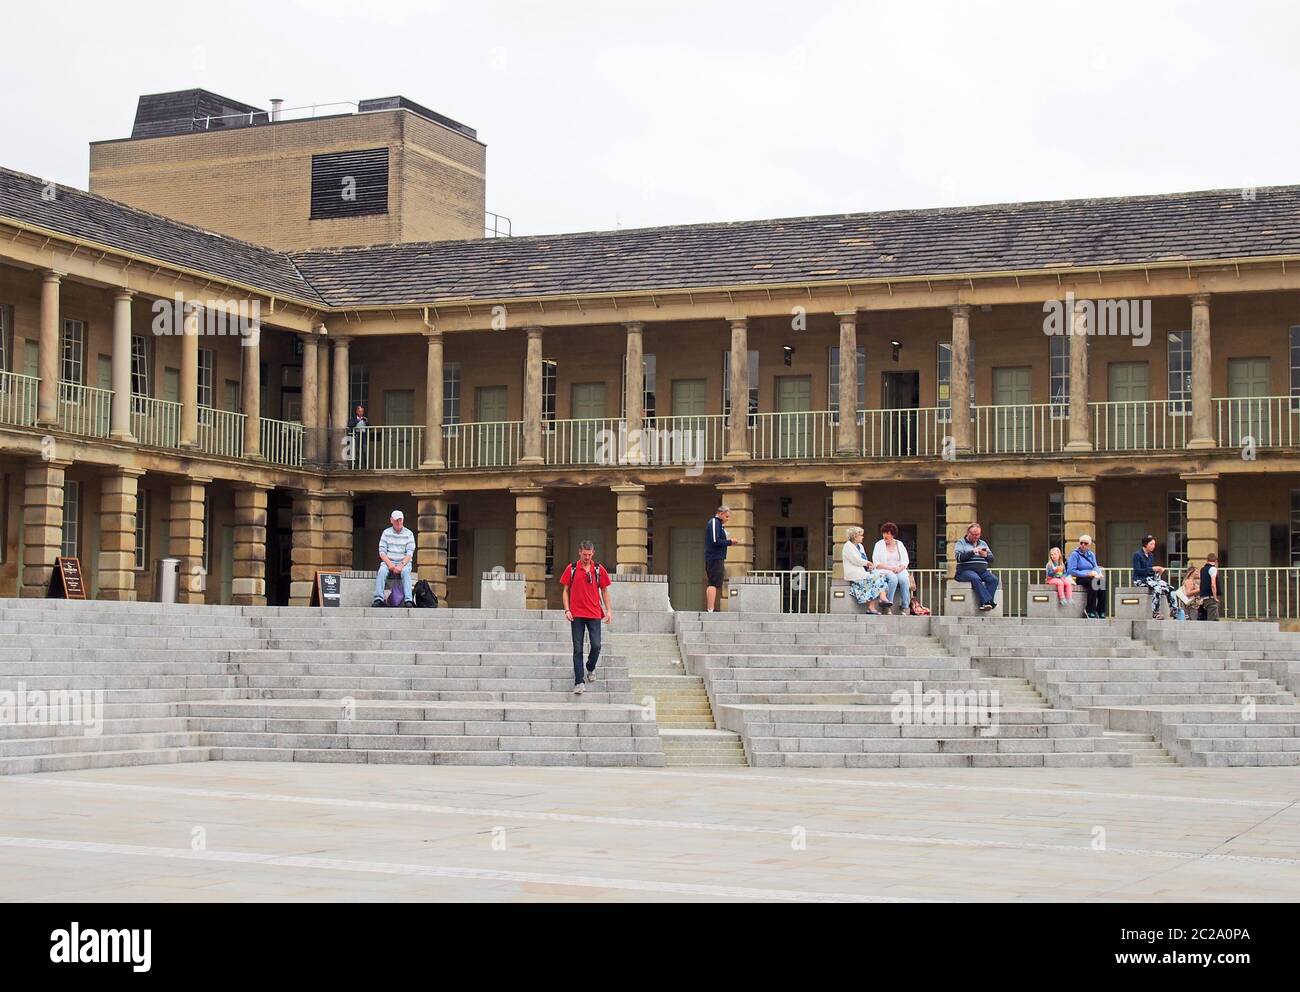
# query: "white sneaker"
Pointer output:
{"type": "Point", "coordinates": [579, 689]}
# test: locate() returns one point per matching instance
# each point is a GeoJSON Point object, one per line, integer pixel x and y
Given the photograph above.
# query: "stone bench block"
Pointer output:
{"type": "Point", "coordinates": [1043, 603]}
{"type": "Point", "coordinates": [1134, 603]}
{"type": "Point", "coordinates": [503, 591]}
{"type": "Point", "coordinates": [959, 600]}
{"type": "Point", "coordinates": [754, 594]}
{"type": "Point", "coordinates": [640, 594]}
{"type": "Point", "coordinates": [358, 588]}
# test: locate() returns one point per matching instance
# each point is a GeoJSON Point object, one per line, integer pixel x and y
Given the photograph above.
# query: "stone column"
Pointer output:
{"type": "Point", "coordinates": [337, 533]}
{"type": "Point", "coordinates": [634, 395]}
{"type": "Point", "coordinates": [633, 538]}
{"type": "Point", "coordinates": [1202, 516]}
{"type": "Point", "coordinates": [847, 510]}
{"type": "Point", "coordinates": [1202, 383]}
{"type": "Point", "coordinates": [533, 399]}
{"type": "Point", "coordinates": [190, 379]}
{"type": "Point", "coordinates": [431, 540]}
{"type": "Point", "coordinates": [42, 525]}
{"type": "Point", "coordinates": [959, 373]}
{"type": "Point", "coordinates": [119, 492]}
{"type": "Point", "coordinates": [120, 416]}
{"type": "Point", "coordinates": [530, 544]}
{"type": "Point", "coordinates": [433, 398]}
{"type": "Point", "coordinates": [248, 588]}
{"type": "Point", "coordinates": [961, 507]}
{"type": "Point", "coordinates": [311, 411]}
{"type": "Point", "coordinates": [324, 453]}
{"type": "Point", "coordinates": [738, 390]}
{"type": "Point", "coordinates": [1080, 415]}
{"type": "Point", "coordinates": [47, 391]}
{"type": "Point", "coordinates": [740, 497]}
{"type": "Point", "coordinates": [1080, 512]}
{"type": "Point", "coordinates": [251, 391]}
{"type": "Point", "coordinates": [340, 413]}
{"type": "Point", "coordinates": [847, 438]}
{"type": "Point", "coordinates": [186, 530]}
{"type": "Point", "coordinates": [307, 556]}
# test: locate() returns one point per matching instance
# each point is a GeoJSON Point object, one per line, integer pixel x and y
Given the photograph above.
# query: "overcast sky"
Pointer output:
{"type": "Point", "coordinates": [599, 114]}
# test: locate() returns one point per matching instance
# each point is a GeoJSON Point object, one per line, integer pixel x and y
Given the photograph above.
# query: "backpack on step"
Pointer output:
{"type": "Point", "coordinates": [425, 597]}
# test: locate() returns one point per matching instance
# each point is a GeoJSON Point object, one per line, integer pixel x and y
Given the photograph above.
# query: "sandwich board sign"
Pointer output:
{"type": "Point", "coordinates": [327, 590]}
{"type": "Point", "coordinates": [66, 581]}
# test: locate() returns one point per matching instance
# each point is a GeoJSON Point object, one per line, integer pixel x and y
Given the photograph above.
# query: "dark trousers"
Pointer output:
{"type": "Point", "coordinates": [984, 583]}
{"type": "Point", "coordinates": [581, 626]}
{"type": "Point", "coordinates": [1096, 591]}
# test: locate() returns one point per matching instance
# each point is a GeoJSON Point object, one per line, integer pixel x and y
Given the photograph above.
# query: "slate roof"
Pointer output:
{"type": "Point", "coordinates": [1050, 236]}
{"type": "Point", "coordinates": [106, 222]}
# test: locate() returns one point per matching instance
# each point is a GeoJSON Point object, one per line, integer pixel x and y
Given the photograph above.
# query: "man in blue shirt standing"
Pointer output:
{"type": "Point", "coordinates": [716, 543]}
{"type": "Point", "coordinates": [1083, 568]}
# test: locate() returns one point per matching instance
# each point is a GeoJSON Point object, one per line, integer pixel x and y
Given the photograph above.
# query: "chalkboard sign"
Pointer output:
{"type": "Point", "coordinates": [328, 590]}
{"type": "Point", "coordinates": [66, 581]}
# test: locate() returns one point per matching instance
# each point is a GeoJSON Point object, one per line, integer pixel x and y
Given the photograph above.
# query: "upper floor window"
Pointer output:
{"type": "Point", "coordinates": [833, 382]}
{"type": "Point", "coordinates": [207, 368]}
{"type": "Point", "coordinates": [550, 382]}
{"type": "Point", "coordinates": [453, 540]}
{"type": "Point", "coordinates": [349, 184]}
{"type": "Point", "coordinates": [139, 365]}
{"type": "Point", "coordinates": [1295, 368]}
{"type": "Point", "coordinates": [726, 383]}
{"type": "Point", "coordinates": [358, 388]}
{"type": "Point", "coordinates": [141, 529]}
{"type": "Point", "coordinates": [451, 394]}
{"type": "Point", "coordinates": [72, 351]}
{"type": "Point", "coordinates": [1180, 371]}
{"type": "Point", "coordinates": [71, 518]}
{"type": "Point", "coordinates": [943, 376]}
{"type": "Point", "coordinates": [6, 337]}
{"type": "Point", "coordinates": [1060, 376]}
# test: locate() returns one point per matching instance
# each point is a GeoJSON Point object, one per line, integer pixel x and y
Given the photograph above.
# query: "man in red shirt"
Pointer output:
{"type": "Point", "coordinates": [586, 605]}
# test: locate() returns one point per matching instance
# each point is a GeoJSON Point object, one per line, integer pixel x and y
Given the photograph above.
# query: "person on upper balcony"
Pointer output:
{"type": "Point", "coordinates": [357, 425]}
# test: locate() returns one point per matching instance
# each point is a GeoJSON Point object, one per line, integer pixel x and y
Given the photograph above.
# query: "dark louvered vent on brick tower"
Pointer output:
{"type": "Point", "coordinates": [349, 184]}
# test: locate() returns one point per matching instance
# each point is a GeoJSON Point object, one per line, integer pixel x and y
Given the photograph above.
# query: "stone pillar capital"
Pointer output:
{"type": "Point", "coordinates": [1078, 480]}
{"type": "Point", "coordinates": [734, 487]}
{"type": "Point", "coordinates": [430, 494]}
{"type": "Point", "coordinates": [634, 326]}
{"type": "Point", "coordinates": [847, 316]}
{"type": "Point", "coordinates": [534, 331]}
{"type": "Point", "coordinates": [961, 310]}
{"type": "Point", "coordinates": [1199, 477]}
{"type": "Point", "coordinates": [528, 491]}
{"type": "Point", "coordinates": [1200, 299]}
{"type": "Point", "coordinates": [123, 295]}
{"type": "Point", "coordinates": [52, 275]}
{"type": "Point", "coordinates": [628, 490]}
{"type": "Point", "coordinates": [738, 322]}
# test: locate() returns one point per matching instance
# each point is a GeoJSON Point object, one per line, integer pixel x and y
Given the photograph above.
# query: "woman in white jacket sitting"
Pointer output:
{"type": "Point", "coordinates": [866, 584]}
{"type": "Point", "coordinates": [891, 561]}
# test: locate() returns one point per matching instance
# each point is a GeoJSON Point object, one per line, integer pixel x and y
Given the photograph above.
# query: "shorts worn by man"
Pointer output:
{"type": "Point", "coordinates": [586, 606]}
{"type": "Point", "coordinates": [396, 555]}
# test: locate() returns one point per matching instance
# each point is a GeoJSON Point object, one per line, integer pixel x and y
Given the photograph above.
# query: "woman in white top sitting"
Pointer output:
{"type": "Point", "coordinates": [866, 583]}
{"type": "Point", "coordinates": [891, 560]}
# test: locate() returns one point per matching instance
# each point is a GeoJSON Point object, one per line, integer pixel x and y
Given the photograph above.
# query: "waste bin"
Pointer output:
{"type": "Point", "coordinates": [166, 580]}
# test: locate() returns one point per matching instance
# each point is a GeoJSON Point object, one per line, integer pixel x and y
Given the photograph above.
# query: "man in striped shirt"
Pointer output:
{"type": "Point", "coordinates": [396, 554]}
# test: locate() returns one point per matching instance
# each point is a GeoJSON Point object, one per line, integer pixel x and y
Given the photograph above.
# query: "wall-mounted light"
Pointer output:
{"type": "Point", "coordinates": [789, 355]}
{"type": "Point", "coordinates": [898, 350]}
{"type": "Point", "coordinates": [786, 502]}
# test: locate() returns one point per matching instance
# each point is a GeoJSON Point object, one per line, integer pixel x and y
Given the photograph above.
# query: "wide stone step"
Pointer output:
{"type": "Point", "coordinates": [82, 760]}
{"type": "Point", "coordinates": [24, 747]}
{"type": "Point", "coordinates": [557, 759]}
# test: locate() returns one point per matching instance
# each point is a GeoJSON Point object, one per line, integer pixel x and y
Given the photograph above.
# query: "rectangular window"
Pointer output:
{"type": "Point", "coordinates": [233, 398]}
{"type": "Point", "coordinates": [753, 384]}
{"type": "Point", "coordinates": [1176, 539]}
{"type": "Point", "coordinates": [1180, 372]}
{"type": "Point", "coordinates": [1060, 377]}
{"type": "Point", "coordinates": [649, 368]}
{"type": "Point", "coordinates": [71, 518]}
{"type": "Point", "coordinates": [1295, 370]}
{"type": "Point", "coordinates": [453, 540]}
{"type": "Point", "coordinates": [1295, 528]}
{"type": "Point", "coordinates": [72, 350]}
{"type": "Point", "coordinates": [550, 538]}
{"type": "Point", "coordinates": [207, 536]}
{"type": "Point", "coordinates": [1055, 522]}
{"type": "Point", "coordinates": [7, 335]}
{"type": "Point", "coordinates": [349, 184]}
{"type": "Point", "coordinates": [941, 532]}
{"type": "Point", "coordinates": [451, 394]}
{"type": "Point", "coordinates": [4, 514]}
{"type": "Point", "coordinates": [141, 529]}
{"type": "Point", "coordinates": [833, 383]}
{"type": "Point", "coordinates": [650, 536]}
{"type": "Point", "coordinates": [550, 382]}
{"type": "Point", "coordinates": [943, 399]}
{"type": "Point", "coordinates": [139, 365]}
{"type": "Point", "coordinates": [832, 539]}
{"type": "Point", "coordinates": [207, 369]}
{"type": "Point", "coordinates": [358, 388]}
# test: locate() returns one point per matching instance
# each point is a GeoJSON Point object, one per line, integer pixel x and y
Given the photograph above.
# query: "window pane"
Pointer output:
{"type": "Point", "coordinates": [451, 394]}
{"type": "Point", "coordinates": [139, 365]}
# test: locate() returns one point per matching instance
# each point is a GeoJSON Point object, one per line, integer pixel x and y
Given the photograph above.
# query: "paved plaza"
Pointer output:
{"type": "Point", "coordinates": [220, 831]}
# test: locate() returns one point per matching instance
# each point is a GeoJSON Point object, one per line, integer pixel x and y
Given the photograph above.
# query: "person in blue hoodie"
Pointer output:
{"type": "Point", "coordinates": [716, 543]}
{"type": "Point", "coordinates": [1085, 571]}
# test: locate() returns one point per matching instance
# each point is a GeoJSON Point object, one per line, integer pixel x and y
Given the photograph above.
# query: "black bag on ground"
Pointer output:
{"type": "Point", "coordinates": [425, 597]}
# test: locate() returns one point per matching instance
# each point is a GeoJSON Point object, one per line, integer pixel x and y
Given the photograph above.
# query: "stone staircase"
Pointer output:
{"type": "Point", "coordinates": [1200, 692]}
{"type": "Point", "coordinates": [182, 683]}
{"type": "Point", "coordinates": [1146, 750]}
{"type": "Point", "coordinates": [687, 729]}
{"type": "Point", "coordinates": [823, 692]}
